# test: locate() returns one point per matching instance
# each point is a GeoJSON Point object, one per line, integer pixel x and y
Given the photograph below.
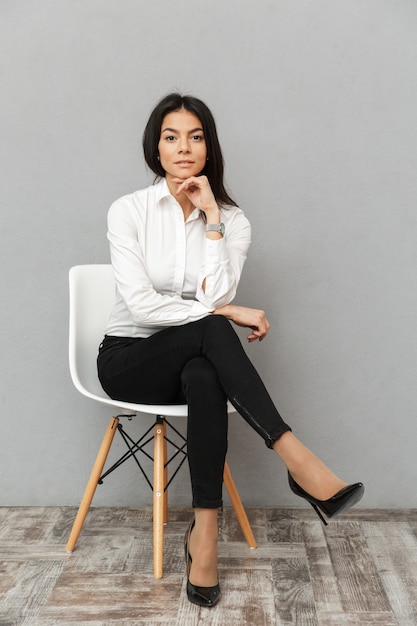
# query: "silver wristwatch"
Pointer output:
{"type": "Point", "coordinates": [217, 228]}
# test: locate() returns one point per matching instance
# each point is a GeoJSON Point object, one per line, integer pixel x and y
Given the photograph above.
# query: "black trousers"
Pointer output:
{"type": "Point", "coordinates": [202, 364]}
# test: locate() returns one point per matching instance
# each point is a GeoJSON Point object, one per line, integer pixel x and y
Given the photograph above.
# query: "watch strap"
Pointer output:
{"type": "Point", "coordinates": [217, 228]}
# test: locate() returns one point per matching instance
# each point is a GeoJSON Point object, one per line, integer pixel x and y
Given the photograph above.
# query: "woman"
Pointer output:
{"type": "Point", "coordinates": [177, 250]}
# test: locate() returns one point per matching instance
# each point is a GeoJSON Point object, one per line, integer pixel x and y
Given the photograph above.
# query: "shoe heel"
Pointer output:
{"type": "Point", "coordinates": [316, 508]}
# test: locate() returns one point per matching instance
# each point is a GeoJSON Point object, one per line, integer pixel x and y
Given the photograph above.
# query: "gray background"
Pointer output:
{"type": "Point", "coordinates": [316, 110]}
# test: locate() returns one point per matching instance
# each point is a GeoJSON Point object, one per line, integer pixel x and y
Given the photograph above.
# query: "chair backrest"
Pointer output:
{"type": "Point", "coordinates": [92, 295]}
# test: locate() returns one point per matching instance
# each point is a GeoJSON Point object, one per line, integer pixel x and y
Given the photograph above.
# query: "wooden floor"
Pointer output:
{"type": "Point", "coordinates": [360, 570]}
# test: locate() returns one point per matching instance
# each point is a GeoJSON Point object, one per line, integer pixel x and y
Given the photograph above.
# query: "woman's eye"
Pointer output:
{"type": "Point", "coordinates": [197, 137]}
{"type": "Point", "coordinates": [170, 138]}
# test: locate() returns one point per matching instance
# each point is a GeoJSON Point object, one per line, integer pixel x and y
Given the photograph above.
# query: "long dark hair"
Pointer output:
{"type": "Point", "coordinates": [214, 167]}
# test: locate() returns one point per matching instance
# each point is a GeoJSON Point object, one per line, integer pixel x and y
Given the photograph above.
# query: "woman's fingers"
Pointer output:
{"type": "Point", "coordinates": [193, 183]}
{"type": "Point", "coordinates": [198, 190]}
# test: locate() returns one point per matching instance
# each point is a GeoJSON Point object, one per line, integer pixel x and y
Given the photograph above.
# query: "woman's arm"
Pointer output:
{"type": "Point", "coordinates": [220, 276]}
{"type": "Point", "coordinates": [224, 257]}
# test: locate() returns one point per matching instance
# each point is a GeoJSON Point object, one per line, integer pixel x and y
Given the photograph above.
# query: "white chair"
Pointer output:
{"type": "Point", "coordinates": [92, 294]}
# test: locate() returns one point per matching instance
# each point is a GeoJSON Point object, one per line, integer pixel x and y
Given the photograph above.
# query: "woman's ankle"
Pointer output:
{"type": "Point", "coordinates": [206, 522]}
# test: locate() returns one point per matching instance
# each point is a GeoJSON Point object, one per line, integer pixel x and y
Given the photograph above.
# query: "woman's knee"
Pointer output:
{"type": "Point", "coordinates": [219, 330]}
{"type": "Point", "coordinates": [219, 322]}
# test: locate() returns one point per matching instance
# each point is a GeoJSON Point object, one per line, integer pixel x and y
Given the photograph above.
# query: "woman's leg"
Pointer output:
{"type": "Point", "coordinates": [207, 447]}
{"type": "Point", "coordinates": [247, 393]}
{"type": "Point", "coordinates": [206, 431]}
{"type": "Point", "coordinates": [150, 371]}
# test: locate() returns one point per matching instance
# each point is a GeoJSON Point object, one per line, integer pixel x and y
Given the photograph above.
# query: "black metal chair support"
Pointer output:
{"type": "Point", "coordinates": [136, 447]}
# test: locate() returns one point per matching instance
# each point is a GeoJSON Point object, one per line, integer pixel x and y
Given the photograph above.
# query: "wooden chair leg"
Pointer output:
{"type": "Point", "coordinates": [165, 473]}
{"type": "Point", "coordinates": [158, 499]}
{"type": "Point", "coordinates": [238, 506]}
{"type": "Point", "coordinates": [92, 483]}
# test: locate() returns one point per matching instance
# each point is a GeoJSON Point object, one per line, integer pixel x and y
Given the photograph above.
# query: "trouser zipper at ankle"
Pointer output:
{"type": "Point", "coordinates": [252, 421]}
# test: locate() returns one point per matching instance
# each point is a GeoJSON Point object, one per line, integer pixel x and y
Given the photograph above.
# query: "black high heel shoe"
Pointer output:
{"type": "Point", "coordinates": [343, 499]}
{"type": "Point", "coordinates": [203, 596]}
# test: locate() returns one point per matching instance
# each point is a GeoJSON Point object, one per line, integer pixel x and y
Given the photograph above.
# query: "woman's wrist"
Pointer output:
{"type": "Point", "coordinates": [212, 215]}
{"type": "Point", "coordinates": [225, 310]}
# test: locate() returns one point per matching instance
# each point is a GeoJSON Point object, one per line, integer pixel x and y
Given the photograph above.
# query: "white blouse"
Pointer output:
{"type": "Point", "coordinates": [160, 262]}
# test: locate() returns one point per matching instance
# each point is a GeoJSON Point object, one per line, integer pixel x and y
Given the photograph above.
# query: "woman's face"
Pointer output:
{"type": "Point", "coordinates": [182, 146]}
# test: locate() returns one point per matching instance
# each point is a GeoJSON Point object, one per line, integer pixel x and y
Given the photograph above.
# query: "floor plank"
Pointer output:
{"type": "Point", "coordinates": [32, 588]}
{"type": "Point", "coordinates": [359, 584]}
{"type": "Point", "coordinates": [294, 599]}
{"type": "Point", "coordinates": [323, 578]}
{"type": "Point", "coordinates": [392, 545]}
{"type": "Point", "coordinates": [119, 597]}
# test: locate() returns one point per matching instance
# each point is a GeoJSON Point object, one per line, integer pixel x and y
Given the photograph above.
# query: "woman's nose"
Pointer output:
{"type": "Point", "coordinates": [183, 146]}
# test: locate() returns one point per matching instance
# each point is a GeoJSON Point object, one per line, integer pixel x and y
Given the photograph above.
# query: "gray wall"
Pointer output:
{"type": "Point", "coordinates": [316, 108]}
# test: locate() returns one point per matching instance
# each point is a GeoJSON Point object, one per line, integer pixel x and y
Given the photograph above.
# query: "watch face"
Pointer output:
{"type": "Point", "coordinates": [221, 229]}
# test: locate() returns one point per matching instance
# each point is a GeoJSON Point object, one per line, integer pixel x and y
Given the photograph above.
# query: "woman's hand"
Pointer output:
{"type": "Point", "coordinates": [254, 319]}
{"type": "Point", "coordinates": [198, 191]}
